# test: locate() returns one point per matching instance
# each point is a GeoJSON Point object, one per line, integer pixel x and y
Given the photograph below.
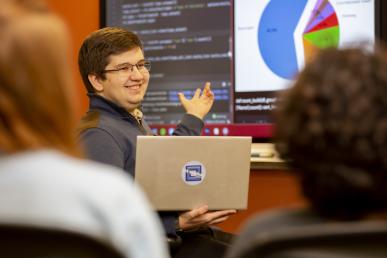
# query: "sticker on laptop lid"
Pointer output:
{"type": "Point", "coordinates": [193, 173]}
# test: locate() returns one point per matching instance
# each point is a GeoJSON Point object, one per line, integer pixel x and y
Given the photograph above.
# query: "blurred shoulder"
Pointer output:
{"type": "Point", "coordinates": [54, 165]}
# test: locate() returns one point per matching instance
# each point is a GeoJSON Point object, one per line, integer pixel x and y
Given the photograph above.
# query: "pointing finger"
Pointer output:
{"type": "Point", "coordinates": [207, 86]}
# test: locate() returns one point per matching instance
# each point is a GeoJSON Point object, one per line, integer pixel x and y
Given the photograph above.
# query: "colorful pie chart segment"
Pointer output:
{"type": "Point", "coordinates": [276, 36]}
{"type": "Point", "coordinates": [322, 30]}
{"type": "Point", "coordinates": [276, 33]}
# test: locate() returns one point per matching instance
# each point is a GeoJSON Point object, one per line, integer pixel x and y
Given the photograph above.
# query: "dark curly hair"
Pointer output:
{"type": "Point", "coordinates": [332, 128]}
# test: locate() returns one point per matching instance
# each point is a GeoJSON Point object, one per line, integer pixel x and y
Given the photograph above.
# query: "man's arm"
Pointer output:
{"type": "Point", "coordinates": [192, 124]}
{"type": "Point", "coordinates": [189, 126]}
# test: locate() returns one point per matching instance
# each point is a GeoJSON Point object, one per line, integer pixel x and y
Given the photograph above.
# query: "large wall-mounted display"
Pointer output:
{"type": "Point", "coordinates": [275, 38]}
{"type": "Point", "coordinates": [249, 50]}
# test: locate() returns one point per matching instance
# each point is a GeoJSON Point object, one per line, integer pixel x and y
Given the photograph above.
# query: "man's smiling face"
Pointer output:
{"type": "Point", "coordinates": [125, 87]}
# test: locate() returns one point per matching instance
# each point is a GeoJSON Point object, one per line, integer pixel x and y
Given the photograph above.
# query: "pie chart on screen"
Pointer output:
{"type": "Point", "coordinates": [277, 38]}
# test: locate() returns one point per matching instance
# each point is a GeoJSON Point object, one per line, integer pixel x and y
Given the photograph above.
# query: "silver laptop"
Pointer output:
{"type": "Point", "coordinates": [185, 172]}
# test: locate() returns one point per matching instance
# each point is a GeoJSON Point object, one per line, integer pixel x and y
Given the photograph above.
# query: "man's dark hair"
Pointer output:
{"type": "Point", "coordinates": [94, 53]}
{"type": "Point", "coordinates": [332, 128]}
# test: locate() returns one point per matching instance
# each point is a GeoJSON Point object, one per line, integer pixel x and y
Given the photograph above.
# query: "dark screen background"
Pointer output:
{"type": "Point", "coordinates": [188, 43]}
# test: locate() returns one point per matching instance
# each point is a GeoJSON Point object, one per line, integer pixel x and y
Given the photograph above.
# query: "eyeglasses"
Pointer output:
{"type": "Point", "coordinates": [142, 66]}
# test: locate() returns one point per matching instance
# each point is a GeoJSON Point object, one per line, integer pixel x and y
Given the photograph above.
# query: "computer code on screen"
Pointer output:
{"type": "Point", "coordinates": [188, 43]}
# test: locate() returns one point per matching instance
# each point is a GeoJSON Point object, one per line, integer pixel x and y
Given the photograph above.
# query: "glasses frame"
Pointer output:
{"type": "Point", "coordinates": [146, 64]}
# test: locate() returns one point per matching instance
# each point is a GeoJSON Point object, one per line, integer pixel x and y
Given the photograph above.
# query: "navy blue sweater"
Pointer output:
{"type": "Point", "coordinates": [109, 134]}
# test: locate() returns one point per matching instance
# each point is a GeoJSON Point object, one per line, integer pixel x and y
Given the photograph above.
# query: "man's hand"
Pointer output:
{"type": "Point", "coordinates": [201, 217]}
{"type": "Point", "coordinates": [200, 104]}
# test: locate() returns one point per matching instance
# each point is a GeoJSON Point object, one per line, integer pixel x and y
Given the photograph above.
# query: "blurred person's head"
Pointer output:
{"type": "Point", "coordinates": [332, 128]}
{"type": "Point", "coordinates": [112, 64]}
{"type": "Point", "coordinates": [35, 80]}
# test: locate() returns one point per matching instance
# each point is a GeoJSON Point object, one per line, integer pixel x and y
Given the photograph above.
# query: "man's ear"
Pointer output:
{"type": "Point", "coordinates": [95, 82]}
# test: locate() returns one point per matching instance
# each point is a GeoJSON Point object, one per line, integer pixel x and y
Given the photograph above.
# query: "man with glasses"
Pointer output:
{"type": "Point", "coordinates": [116, 76]}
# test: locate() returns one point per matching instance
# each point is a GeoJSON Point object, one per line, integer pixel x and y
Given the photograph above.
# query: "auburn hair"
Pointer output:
{"type": "Point", "coordinates": [35, 81]}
